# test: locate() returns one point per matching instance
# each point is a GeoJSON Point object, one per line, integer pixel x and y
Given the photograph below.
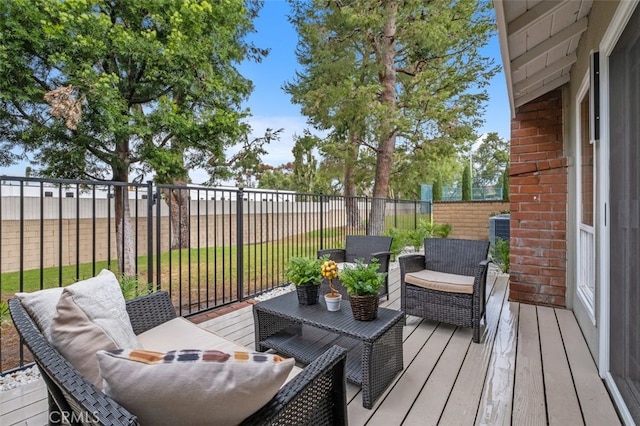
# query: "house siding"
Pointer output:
{"type": "Point", "coordinates": [538, 203]}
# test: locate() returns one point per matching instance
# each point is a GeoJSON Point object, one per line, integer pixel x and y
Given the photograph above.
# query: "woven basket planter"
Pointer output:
{"type": "Point", "coordinates": [308, 294]}
{"type": "Point", "coordinates": [364, 308]}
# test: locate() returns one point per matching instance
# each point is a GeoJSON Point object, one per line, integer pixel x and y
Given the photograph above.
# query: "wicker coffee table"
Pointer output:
{"type": "Point", "coordinates": [304, 332]}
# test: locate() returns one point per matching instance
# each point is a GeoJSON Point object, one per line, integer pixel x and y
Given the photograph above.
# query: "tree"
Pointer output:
{"type": "Point", "coordinates": [110, 89]}
{"type": "Point", "coordinates": [437, 189]}
{"type": "Point", "coordinates": [392, 75]}
{"type": "Point", "coordinates": [505, 184]}
{"type": "Point", "coordinates": [490, 160]}
{"type": "Point", "coordinates": [466, 183]}
{"type": "Point", "coordinates": [304, 162]}
{"type": "Point", "coordinates": [280, 177]}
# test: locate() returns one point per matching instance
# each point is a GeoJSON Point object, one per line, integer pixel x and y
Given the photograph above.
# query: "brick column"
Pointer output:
{"type": "Point", "coordinates": [538, 196]}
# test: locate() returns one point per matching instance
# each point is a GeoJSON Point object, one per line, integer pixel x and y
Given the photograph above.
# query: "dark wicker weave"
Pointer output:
{"type": "Point", "coordinates": [317, 396]}
{"type": "Point", "coordinates": [461, 257]}
{"type": "Point", "coordinates": [361, 247]}
{"type": "Point", "coordinates": [304, 332]}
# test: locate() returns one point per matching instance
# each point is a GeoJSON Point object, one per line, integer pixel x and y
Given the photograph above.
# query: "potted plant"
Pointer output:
{"type": "Point", "coordinates": [333, 298]}
{"type": "Point", "coordinates": [363, 282]}
{"type": "Point", "coordinates": [304, 273]}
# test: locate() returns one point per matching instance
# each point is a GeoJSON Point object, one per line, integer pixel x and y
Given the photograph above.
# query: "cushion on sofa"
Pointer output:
{"type": "Point", "coordinates": [41, 307]}
{"type": "Point", "coordinates": [194, 387]}
{"type": "Point", "coordinates": [182, 333]}
{"type": "Point", "coordinates": [440, 281]}
{"type": "Point", "coordinates": [102, 300]}
{"type": "Point", "coordinates": [77, 338]}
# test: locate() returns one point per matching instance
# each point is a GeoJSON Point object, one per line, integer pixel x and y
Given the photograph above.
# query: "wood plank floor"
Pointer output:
{"type": "Point", "coordinates": [533, 367]}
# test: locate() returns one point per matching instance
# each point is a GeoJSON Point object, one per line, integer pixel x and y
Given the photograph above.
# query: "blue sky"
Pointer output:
{"type": "Point", "coordinates": [271, 107]}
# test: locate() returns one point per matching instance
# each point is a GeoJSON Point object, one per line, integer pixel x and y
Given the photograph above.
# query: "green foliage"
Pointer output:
{"type": "Point", "coordinates": [130, 287]}
{"type": "Point", "coordinates": [5, 315]}
{"type": "Point", "coordinates": [415, 237]}
{"type": "Point", "coordinates": [442, 230]}
{"type": "Point", "coordinates": [466, 183]}
{"type": "Point", "coordinates": [505, 185]}
{"type": "Point", "coordinates": [437, 189]}
{"type": "Point", "coordinates": [399, 238]}
{"type": "Point", "coordinates": [362, 279]}
{"type": "Point", "coordinates": [304, 163]}
{"type": "Point", "coordinates": [500, 254]}
{"type": "Point", "coordinates": [381, 122]}
{"type": "Point", "coordinates": [154, 84]}
{"type": "Point", "coordinates": [426, 229]}
{"type": "Point", "coordinates": [490, 161]}
{"type": "Point", "coordinates": [304, 270]}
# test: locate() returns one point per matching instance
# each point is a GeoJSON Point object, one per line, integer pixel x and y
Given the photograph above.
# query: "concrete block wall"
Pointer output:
{"type": "Point", "coordinates": [538, 195]}
{"type": "Point", "coordinates": [470, 219]}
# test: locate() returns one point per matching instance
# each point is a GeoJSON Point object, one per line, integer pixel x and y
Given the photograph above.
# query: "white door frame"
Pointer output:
{"type": "Point", "coordinates": [612, 35]}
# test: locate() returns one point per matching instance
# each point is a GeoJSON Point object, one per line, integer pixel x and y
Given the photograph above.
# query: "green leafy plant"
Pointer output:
{"type": "Point", "coordinates": [305, 270]}
{"type": "Point", "coordinates": [5, 316]}
{"type": "Point", "coordinates": [399, 240]}
{"type": "Point", "coordinates": [130, 287]}
{"type": "Point", "coordinates": [500, 254]}
{"type": "Point", "coordinates": [442, 230]}
{"type": "Point", "coordinates": [362, 279]}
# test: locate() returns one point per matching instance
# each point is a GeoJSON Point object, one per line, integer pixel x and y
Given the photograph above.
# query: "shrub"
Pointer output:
{"type": "Point", "coordinates": [500, 254]}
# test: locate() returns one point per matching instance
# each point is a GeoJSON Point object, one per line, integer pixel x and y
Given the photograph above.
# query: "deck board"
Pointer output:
{"type": "Point", "coordinates": [497, 395]}
{"type": "Point", "coordinates": [536, 354]}
{"type": "Point", "coordinates": [562, 401]}
{"type": "Point", "coordinates": [463, 402]}
{"type": "Point", "coordinates": [528, 397]}
{"type": "Point", "coordinates": [595, 402]}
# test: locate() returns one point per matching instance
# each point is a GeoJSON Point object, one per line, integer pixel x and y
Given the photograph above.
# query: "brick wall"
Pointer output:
{"type": "Point", "coordinates": [538, 195]}
{"type": "Point", "coordinates": [470, 219]}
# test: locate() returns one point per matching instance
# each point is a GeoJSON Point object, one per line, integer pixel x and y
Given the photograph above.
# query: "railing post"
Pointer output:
{"type": "Point", "coordinates": [240, 243]}
{"type": "Point", "coordinates": [321, 198]}
{"type": "Point", "coordinates": [150, 203]}
{"type": "Point", "coordinates": [395, 212]}
{"type": "Point", "coordinates": [415, 214]}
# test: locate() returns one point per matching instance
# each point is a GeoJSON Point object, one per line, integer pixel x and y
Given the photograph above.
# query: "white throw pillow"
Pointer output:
{"type": "Point", "coordinates": [101, 299]}
{"type": "Point", "coordinates": [77, 338]}
{"type": "Point", "coordinates": [192, 387]}
{"type": "Point", "coordinates": [41, 306]}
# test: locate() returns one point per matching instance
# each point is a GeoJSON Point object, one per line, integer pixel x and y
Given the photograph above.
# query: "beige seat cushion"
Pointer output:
{"type": "Point", "coordinates": [440, 281]}
{"type": "Point", "coordinates": [180, 333]}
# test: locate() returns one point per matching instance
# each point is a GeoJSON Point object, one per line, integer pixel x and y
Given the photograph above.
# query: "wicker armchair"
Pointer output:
{"type": "Point", "coordinates": [317, 395]}
{"type": "Point", "coordinates": [362, 247]}
{"type": "Point", "coordinates": [454, 299]}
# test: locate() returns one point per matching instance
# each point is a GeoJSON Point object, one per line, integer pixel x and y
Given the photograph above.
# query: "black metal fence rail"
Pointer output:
{"type": "Point", "coordinates": [208, 247]}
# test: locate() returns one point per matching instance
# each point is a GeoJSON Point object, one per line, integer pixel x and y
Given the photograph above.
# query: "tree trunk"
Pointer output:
{"type": "Point", "coordinates": [178, 202]}
{"type": "Point", "coordinates": [350, 200]}
{"type": "Point", "coordinates": [124, 231]}
{"type": "Point", "coordinates": [387, 130]}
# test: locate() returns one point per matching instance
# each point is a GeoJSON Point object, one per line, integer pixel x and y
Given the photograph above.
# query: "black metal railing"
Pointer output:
{"type": "Point", "coordinates": [208, 247]}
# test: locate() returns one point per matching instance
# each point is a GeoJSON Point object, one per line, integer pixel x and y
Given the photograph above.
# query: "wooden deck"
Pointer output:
{"type": "Point", "coordinates": [533, 367]}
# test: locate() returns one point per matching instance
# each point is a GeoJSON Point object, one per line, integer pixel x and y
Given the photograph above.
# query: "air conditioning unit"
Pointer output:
{"type": "Point", "coordinates": [499, 227]}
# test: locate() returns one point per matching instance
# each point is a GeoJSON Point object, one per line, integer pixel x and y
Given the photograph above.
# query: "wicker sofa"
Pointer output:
{"type": "Point", "coordinates": [316, 396]}
{"type": "Point", "coordinates": [447, 283]}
